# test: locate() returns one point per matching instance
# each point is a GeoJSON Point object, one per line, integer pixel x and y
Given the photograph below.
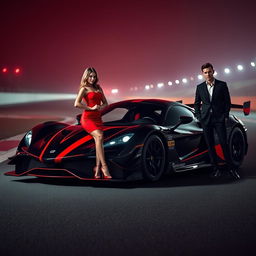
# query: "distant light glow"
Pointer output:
{"type": "Point", "coordinates": [17, 70]}
{"type": "Point", "coordinates": [240, 67]}
{"type": "Point", "coordinates": [184, 80]}
{"type": "Point", "coordinates": [227, 70]}
{"type": "Point", "coordinates": [4, 70]}
{"type": "Point", "coordinates": [159, 85]}
{"type": "Point", "coordinates": [114, 91]}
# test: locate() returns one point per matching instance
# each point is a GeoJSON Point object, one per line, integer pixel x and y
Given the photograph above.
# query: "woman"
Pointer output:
{"type": "Point", "coordinates": [91, 121]}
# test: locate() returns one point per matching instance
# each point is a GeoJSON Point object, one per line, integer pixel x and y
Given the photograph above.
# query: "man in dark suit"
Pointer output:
{"type": "Point", "coordinates": [212, 106]}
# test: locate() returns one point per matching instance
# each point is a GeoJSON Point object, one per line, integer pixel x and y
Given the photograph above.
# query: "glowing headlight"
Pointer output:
{"type": "Point", "coordinates": [119, 140]}
{"type": "Point", "coordinates": [28, 138]}
{"type": "Point", "coordinates": [126, 138]}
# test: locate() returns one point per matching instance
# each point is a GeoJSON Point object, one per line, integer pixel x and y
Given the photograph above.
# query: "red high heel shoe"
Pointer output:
{"type": "Point", "coordinates": [106, 177]}
{"type": "Point", "coordinates": [96, 176]}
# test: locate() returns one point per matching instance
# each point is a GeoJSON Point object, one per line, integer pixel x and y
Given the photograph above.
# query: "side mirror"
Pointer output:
{"type": "Point", "coordinates": [186, 119]}
{"type": "Point", "coordinates": [183, 120]}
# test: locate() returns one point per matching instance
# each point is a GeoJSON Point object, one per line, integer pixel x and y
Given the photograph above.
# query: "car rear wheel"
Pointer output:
{"type": "Point", "coordinates": [153, 158]}
{"type": "Point", "coordinates": [237, 146]}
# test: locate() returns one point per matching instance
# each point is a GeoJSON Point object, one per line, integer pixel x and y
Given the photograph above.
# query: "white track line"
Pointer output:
{"type": "Point", "coordinates": [7, 154]}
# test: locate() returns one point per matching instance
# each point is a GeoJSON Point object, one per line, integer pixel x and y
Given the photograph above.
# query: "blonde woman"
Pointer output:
{"type": "Point", "coordinates": [95, 100]}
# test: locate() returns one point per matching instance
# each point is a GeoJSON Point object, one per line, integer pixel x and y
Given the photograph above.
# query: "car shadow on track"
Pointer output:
{"type": "Point", "coordinates": [195, 178]}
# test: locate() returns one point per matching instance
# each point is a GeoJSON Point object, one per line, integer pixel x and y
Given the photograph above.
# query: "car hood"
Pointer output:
{"type": "Point", "coordinates": [71, 141]}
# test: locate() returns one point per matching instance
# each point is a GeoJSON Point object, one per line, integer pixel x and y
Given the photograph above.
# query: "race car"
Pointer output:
{"type": "Point", "coordinates": [143, 139]}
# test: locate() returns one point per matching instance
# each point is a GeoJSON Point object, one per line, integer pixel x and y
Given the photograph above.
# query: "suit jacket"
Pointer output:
{"type": "Point", "coordinates": [218, 107]}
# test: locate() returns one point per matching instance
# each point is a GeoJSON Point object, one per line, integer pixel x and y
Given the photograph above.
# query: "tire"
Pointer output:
{"type": "Point", "coordinates": [153, 158]}
{"type": "Point", "coordinates": [237, 146]}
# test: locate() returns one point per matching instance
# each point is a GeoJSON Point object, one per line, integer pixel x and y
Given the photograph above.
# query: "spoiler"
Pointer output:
{"type": "Point", "coordinates": [246, 106]}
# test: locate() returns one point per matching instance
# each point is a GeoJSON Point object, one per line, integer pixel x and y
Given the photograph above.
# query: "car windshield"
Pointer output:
{"type": "Point", "coordinates": [130, 113]}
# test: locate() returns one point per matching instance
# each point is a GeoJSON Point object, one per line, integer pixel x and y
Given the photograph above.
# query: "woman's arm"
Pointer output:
{"type": "Point", "coordinates": [78, 101]}
{"type": "Point", "coordinates": [104, 100]}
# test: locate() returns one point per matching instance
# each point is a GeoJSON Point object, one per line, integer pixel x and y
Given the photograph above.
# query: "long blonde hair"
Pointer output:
{"type": "Point", "coordinates": [85, 76]}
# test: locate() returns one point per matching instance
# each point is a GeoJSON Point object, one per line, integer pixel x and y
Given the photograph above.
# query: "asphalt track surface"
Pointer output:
{"type": "Point", "coordinates": [185, 214]}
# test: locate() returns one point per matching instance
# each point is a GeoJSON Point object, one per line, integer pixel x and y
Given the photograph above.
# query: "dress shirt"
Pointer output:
{"type": "Point", "coordinates": [210, 88]}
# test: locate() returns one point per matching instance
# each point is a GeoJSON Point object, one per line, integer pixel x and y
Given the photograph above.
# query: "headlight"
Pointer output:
{"type": "Point", "coordinates": [119, 140]}
{"type": "Point", "coordinates": [28, 138]}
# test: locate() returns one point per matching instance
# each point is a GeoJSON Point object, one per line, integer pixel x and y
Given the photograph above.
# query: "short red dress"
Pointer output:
{"type": "Point", "coordinates": [91, 119]}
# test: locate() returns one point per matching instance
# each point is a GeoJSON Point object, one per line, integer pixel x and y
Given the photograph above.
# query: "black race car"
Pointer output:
{"type": "Point", "coordinates": [143, 139]}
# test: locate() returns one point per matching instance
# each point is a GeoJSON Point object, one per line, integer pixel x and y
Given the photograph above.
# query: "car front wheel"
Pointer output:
{"type": "Point", "coordinates": [153, 158]}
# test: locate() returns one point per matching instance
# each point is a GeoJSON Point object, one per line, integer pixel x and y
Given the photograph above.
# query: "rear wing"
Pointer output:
{"type": "Point", "coordinates": [246, 106]}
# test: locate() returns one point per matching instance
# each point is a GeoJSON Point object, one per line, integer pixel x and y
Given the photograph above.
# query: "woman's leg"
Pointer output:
{"type": "Point", "coordinates": [100, 155]}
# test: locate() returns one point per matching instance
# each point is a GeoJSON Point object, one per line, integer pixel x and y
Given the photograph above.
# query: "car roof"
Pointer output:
{"type": "Point", "coordinates": [152, 101]}
{"type": "Point", "coordinates": [164, 104]}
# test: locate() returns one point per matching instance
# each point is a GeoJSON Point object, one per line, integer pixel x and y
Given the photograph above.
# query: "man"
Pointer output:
{"type": "Point", "coordinates": [212, 106]}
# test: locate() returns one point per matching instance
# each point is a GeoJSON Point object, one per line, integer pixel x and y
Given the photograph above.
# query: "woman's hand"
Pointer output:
{"type": "Point", "coordinates": [95, 107]}
{"type": "Point", "coordinates": [101, 107]}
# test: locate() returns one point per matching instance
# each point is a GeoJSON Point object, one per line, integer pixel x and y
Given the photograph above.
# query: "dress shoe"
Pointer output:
{"type": "Point", "coordinates": [95, 171]}
{"type": "Point", "coordinates": [233, 172]}
{"type": "Point", "coordinates": [107, 177]}
{"type": "Point", "coordinates": [216, 173]}
{"type": "Point", "coordinates": [106, 174]}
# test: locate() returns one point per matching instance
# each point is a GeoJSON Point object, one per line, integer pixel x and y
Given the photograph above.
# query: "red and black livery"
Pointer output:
{"type": "Point", "coordinates": [143, 139]}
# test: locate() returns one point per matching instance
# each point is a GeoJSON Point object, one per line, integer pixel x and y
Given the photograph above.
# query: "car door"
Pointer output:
{"type": "Point", "coordinates": [188, 137]}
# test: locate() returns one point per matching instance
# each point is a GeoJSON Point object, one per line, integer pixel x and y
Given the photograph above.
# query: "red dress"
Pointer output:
{"type": "Point", "coordinates": [91, 119]}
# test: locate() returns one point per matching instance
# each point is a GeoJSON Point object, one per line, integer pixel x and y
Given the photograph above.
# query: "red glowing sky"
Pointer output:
{"type": "Point", "coordinates": [128, 42]}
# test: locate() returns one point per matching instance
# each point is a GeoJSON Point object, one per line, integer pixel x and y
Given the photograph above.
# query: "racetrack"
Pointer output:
{"type": "Point", "coordinates": [186, 214]}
